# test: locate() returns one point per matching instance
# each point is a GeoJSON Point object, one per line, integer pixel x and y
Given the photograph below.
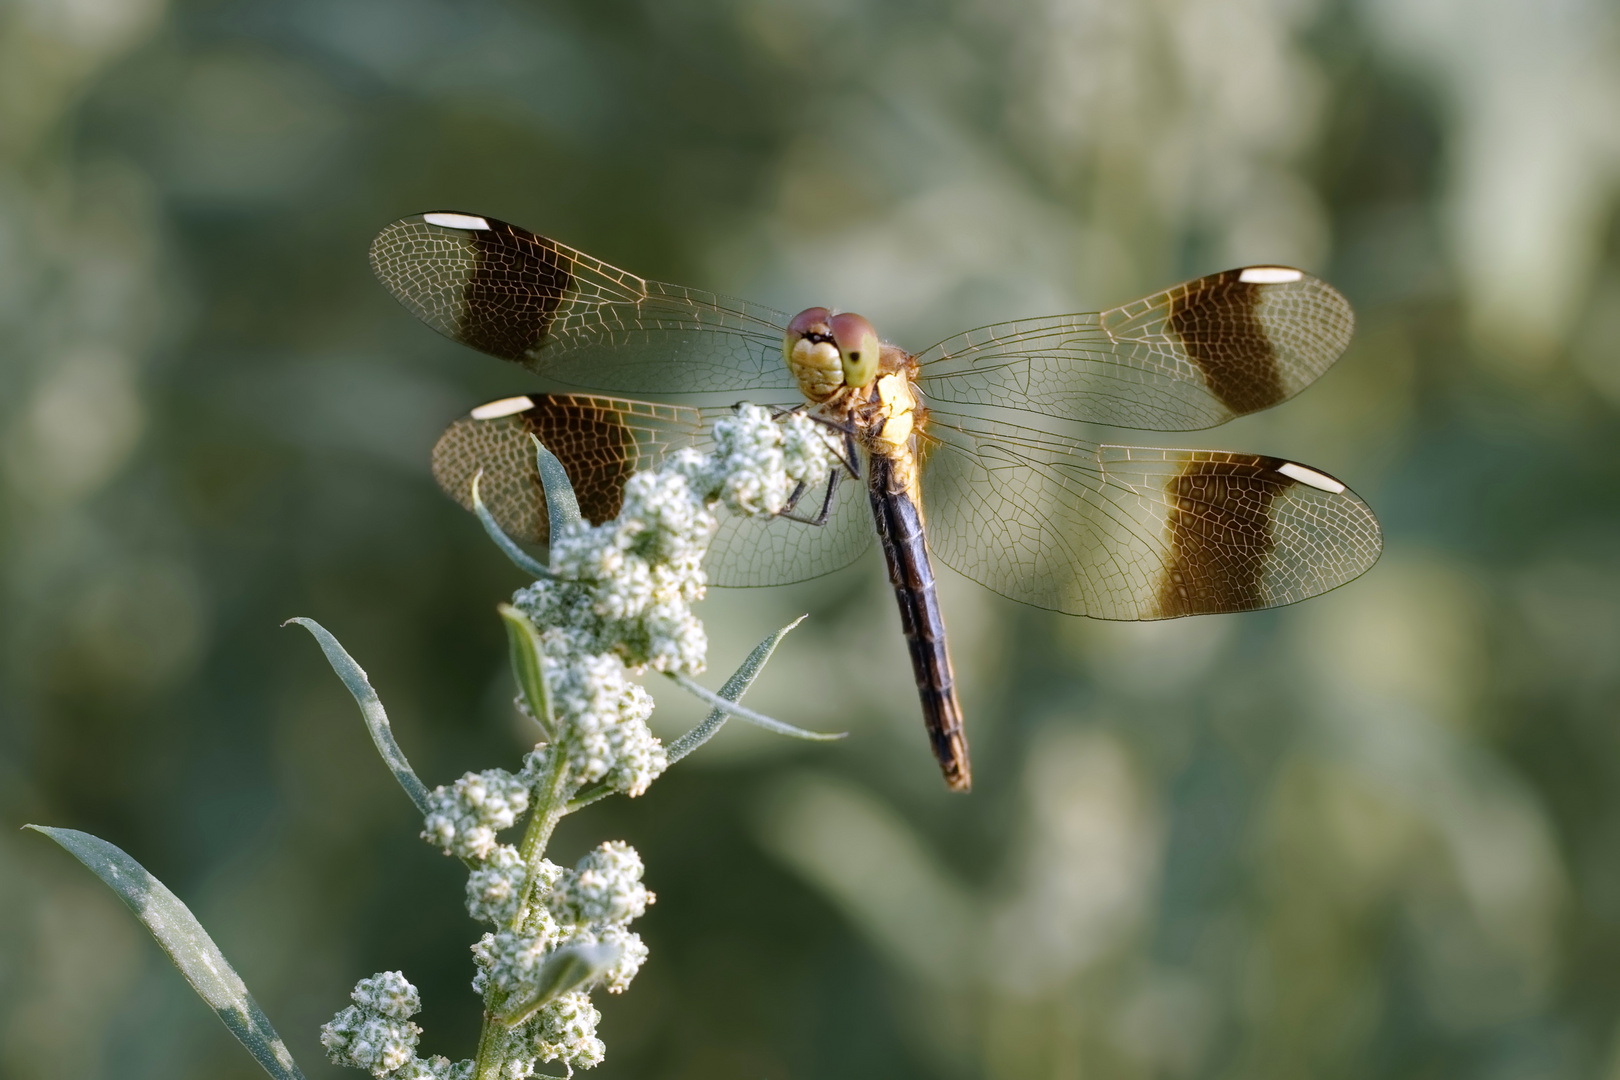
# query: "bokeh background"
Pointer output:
{"type": "Point", "coordinates": [1374, 835]}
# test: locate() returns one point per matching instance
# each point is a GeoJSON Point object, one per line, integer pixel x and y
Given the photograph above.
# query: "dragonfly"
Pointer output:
{"type": "Point", "coordinates": [952, 446]}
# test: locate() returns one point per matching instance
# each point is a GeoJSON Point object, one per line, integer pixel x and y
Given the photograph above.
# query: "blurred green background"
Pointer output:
{"type": "Point", "coordinates": [1377, 834]}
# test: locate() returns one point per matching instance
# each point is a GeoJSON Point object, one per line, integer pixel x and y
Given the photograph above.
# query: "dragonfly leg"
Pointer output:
{"type": "Point", "coordinates": [826, 502]}
{"type": "Point", "coordinates": [777, 411]}
{"type": "Point", "coordinates": [849, 459]}
{"type": "Point", "coordinates": [793, 499]}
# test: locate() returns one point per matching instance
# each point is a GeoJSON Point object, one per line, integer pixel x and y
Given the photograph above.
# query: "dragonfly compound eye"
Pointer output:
{"type": "Point", "coordinates": [858, 348]}
{"type": "Point", "coordinates": [812, 355]}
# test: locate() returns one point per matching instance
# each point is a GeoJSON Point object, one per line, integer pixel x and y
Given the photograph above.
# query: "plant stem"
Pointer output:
{"type": "Point", "coordinates": [490, 1059]}
{"type": "Point", "coordinates": [550, 804]}
{"type": "Point", "coordinates": [549, 807]}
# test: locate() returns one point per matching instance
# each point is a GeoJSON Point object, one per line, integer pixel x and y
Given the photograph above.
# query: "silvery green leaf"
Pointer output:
{"type": "Point", "coordinates": [187, 943]}
{"type": "Point", "coordinates": [733, 690]}
{"type": "Point", "coordinates": [509, 547]}
{"type": "Point", "coordinates": [382, 735]}
{"type": "Point", "coordinates": [524, 642]}
{"type": "Point", "coordinates": [566, 969]}
{"type": "Point", "coordinates": [585, 798]}
{"type": "Point", "coordinates": [562, 505]}
{"type": "Point", "coordinates": [752, 717]}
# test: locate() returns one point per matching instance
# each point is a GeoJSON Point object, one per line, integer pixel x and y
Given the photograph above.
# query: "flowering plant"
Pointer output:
{"type": "Point", "coordinates": [613, 601]}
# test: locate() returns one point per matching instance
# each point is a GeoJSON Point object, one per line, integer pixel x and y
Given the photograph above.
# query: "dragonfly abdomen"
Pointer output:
{"type": "Point", "coordinates": [900, 529]}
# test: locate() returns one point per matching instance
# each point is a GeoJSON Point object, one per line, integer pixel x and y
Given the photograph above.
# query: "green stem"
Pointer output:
{"type": "Point", "coordinates": [549, 808]}
{"type": "Point", "coordinates": [489, 1059]}
{"type": "Point", "coordinates": [550, 804]}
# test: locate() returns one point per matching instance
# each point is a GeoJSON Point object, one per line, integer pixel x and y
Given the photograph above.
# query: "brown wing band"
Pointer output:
{"type": "Point", "coordinates": [596, 448]}
{"type": "Point", "coordinates": [1217, 323]}
{"type": "Point", "coordinates": [1220, 535]}
{"type": "Point", "coordinates": [515, 286]}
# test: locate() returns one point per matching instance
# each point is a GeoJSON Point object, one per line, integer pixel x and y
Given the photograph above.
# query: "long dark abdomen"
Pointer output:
{"type": "Point", "coordinates": [900, 528]}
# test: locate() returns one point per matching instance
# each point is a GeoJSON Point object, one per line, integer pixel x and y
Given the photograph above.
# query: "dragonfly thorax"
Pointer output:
{"type": "Point", "coordinates": [827, 352]}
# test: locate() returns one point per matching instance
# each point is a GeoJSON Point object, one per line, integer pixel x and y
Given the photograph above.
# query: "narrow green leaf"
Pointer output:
{"type": "Point", "coordinates": [562, 505]}
{"type": "Point", "coordinates": [586, 798]}
{"type": "Point", "coordinates": [187, 943]}
{"type": "Point", "coordinates": [524, 642]}
{"type": "Point", "coordinates": [382, 735]}
{"type": "Point", "coordinates": [509, 547]}
{"type": "Point", "coordinates": [733, 691]}
{"type": "Point", "coordinates": [752, 717]}
{"type": "Point", "coordinates": [564, 970]}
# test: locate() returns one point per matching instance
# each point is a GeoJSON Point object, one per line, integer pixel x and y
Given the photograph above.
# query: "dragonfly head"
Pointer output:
{"type": "Point", "coordinates": [826, 352]}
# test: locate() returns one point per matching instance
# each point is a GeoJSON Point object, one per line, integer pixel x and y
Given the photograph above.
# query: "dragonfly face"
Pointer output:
{"type": "Point", "coordinates": [1107, 531]}
{"type": "Point", "coordinates": [827, 353]}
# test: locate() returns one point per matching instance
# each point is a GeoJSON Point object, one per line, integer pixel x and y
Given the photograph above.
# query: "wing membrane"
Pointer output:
{"type": "Point", "coordinates": [572, 318]}
{"type": "Point", "coordinates": [1117, 532]}
{"type": "Point", "coordinates": [749, 551]}
{"type": "Point", "coordinates": [601, 441]}
{"type": "Point", "coordinates": [1189, 357]}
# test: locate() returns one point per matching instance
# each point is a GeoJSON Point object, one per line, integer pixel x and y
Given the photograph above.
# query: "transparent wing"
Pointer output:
{"type": "Point", "coordinates": [1190, 357]}
{"type": "Point", "coordinates": [572, 318]}
{"type": "Point", "coordinates": [601, 442]}
{"type": "Point", "coordinates": [779, 550]}
{"type": "Point", "coordinates": [1121, 532]}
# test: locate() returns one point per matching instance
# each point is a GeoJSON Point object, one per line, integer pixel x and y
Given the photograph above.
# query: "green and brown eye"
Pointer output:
{"type": "Point", "coordinates": [858, 348]}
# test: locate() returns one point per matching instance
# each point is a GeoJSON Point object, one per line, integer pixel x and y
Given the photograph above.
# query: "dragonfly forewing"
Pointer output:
{"type": "Point", "coordinates": [572, 318]}
{"type": "Point", "coordinates": [1189, 357]}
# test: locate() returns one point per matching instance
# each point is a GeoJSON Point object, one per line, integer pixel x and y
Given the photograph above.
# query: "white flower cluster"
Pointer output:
{"type": "Point", "coordinates": [759, 459]}
{"type": "Point", "coordinates": [588, 905]}
{"type": "Point", "coordinates": [496, 887]}
{"type": "Point", "coordinates": [376, 1033]}
{"type": "Point", "coordinates": [464, 819]}
{"type": "Point", "coordinates": [604, 887]}
{"type": "Point", "coordinates": [563, 1030]}
{"type": "Point", "coordinates": [619, 600]}
{"type": "Point", "coordinates": [604, 717]}
{"type": "Point", "coordinates": [622, 591]}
